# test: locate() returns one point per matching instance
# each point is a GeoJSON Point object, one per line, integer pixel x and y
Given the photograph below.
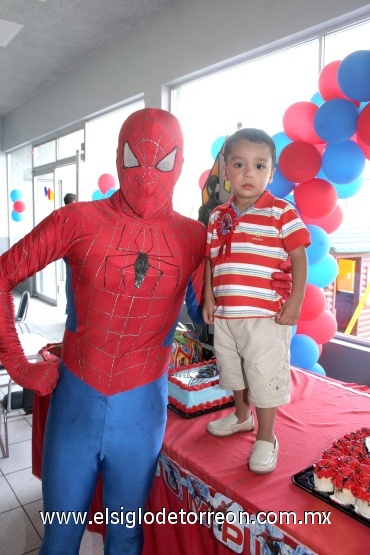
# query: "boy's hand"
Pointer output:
{"type": "Point", "coordinates": [208, 310]}
{"type": "Point", "coordinates": [288, 314]}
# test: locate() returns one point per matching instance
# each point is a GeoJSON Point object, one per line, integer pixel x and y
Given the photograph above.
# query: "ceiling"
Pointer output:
{"type": "Point", "coordinates": [58, 35]}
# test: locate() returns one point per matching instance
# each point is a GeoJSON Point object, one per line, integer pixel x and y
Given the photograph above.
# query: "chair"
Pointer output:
{"type": "Point", "coordinates": [20, 317]}
{"type": "Point", "coordinates": [13, 401]}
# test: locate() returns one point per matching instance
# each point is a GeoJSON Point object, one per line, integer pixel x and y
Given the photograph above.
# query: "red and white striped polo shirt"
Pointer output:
{"type": "Point", "coordinates": [245, 250]}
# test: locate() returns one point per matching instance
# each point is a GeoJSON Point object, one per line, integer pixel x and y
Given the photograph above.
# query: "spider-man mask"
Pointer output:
{"type": "Point", "coordinates": [149, 160]}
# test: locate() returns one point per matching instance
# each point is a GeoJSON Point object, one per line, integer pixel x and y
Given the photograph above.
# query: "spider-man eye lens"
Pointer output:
{"type": "Point", "coordinates": [129, 158]}
{"type": "Point", "coordinates": [167, 163]}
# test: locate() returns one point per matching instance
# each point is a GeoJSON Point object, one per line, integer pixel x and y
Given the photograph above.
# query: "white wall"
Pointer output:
{"type": "Point", "coordinates": [182, 41]}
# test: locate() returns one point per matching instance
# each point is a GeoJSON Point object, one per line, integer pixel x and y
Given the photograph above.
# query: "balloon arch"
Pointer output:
{"type": "Point", "coordinates": [321, 155]}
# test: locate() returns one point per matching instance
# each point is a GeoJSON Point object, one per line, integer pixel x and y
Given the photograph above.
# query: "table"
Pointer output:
{"type": "Point", "coordinates": [193, 463]}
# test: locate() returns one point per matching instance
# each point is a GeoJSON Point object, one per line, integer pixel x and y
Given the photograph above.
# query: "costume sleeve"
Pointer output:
{"type": "Point", "coordinates": [195, 295]}
{"type": "Point", "coordinates": [32, 253]}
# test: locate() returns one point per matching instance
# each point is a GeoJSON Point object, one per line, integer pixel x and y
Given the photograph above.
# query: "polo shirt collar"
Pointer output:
{"type": "Point", "coordinates": [265, 201]}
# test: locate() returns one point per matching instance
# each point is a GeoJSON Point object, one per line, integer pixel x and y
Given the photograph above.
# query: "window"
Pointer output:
{"type": "Point", "coordinates": [256, 94]}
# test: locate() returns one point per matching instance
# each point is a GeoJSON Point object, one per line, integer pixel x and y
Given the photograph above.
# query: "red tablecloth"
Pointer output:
{"type": "Point", "coordinates": [195, 464]}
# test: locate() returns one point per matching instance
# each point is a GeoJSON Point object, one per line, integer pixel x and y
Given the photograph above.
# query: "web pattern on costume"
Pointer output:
{"type": "Point", "coordinates": [131, 257]}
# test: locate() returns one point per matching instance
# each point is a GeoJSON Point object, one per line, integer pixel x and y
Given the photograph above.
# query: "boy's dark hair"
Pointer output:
{"type": "Point", "coordinates": [69, 197]}
{"type": "Point", "coordinates": [254, 136]}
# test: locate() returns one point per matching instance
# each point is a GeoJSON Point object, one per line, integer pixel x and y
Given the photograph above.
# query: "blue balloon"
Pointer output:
{"type": "Point", "coordinates": [349, 189]}
{"type": "Point", "coordinates": [304, 351]}
{"type": "Point", "coordinates": [110, 192]}
{"type": "Point", "coordinates": [343, 162]}
{"type": "Point", "coordinates": [217, 146]}
{"type": "Point", "coordinates": [97, 195]}
{"type": "Point", "coordinates": [17, 216]}
{"type": "Point", "coordinates": [317, 99]}
{"type": "Point", "coordinates": [324, 272]}
{"type": "Point", "coordinates": [281, 140]}
{"type": "Point", "coordinates": [318, 369]}
{"type": "Point", "coordinates": [280, 186]}
{"type": "Point", "coordinates": [320, 244]}
{"type": "Point", "coordinates": [16, 195]}
{"type": "Point", "coordinates": [354, 75]}
{"type": "Point", "coordinates": [335, 121]}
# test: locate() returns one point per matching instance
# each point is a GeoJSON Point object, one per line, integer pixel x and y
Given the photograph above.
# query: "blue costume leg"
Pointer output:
{"type": "Point", "coordinates": [131, 446]}
{"type": "Point", "coordinates": [86, 430]}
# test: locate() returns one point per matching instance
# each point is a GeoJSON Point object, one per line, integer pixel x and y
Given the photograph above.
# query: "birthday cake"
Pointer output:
{"type": "Point", "coordinates": [194, 389]}
{"type": "Point", "coordinates": [344, 471]}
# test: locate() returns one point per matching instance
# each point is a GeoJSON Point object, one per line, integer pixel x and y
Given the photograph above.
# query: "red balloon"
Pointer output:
{"type": "Point", "coordinates": [298, 122]}
{"type": "Point", "coordinates": [328, 82]}
{"type": "Point", "coordinates": [299, 161]}
{"type": "Point", "coordinates": [322, 329]}
{"type": "Point", "coordinates": [203, 178]}
{"type": "Point", "coordinates": [19, 206]}
{"type": "Point", "coordinates": [314, 303]}
{"type": "Point", "coordinates": [105, 182]}
{"type": "Point", "coordinates": [363, 125]}
{"type": "Point", "coordinates": [365, 148]}
{"type": "Point", "coordinates": [316, 198]}
{"type": "Point", "coordinates": [330, 223]}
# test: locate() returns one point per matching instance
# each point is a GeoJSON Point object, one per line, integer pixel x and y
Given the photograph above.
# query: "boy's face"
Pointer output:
{"type": "Point", "coordinates": [249, 169]}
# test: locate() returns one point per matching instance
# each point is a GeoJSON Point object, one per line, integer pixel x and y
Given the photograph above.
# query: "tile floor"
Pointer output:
{"type": "Point", "coordinates": [20, 492]}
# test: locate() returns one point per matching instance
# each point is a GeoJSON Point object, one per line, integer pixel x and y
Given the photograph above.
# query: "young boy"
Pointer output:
{"type": "Point", "coordinates": [248, 237]}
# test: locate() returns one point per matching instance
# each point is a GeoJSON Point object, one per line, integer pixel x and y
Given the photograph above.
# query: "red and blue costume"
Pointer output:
{"type": "Point", "coordinates": [131, 257]}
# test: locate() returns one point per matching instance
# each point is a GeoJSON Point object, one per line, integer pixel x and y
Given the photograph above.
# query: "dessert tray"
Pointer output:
{"type": "Point", "coordinates": [304, 480]}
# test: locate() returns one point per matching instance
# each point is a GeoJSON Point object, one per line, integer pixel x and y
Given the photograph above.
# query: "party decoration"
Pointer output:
{"type": "Point", "coordinates": [324, 272]}
{"type": "Point", "coordinates": [343, 162]}
{"type": "Point", "coordinates": [354, 75]}
{"type": "Point", "coordinates": [330, 223]}
{"type": "Point", "coordinates": [335, 121]}
{"type": "Point", "coordinates": [314, 304]}
{"type": "Point", "coordinates": [217, 146]}
{"type": "Point", "coordinates": [317, 99]}
{"type": "Point", "coordinates": [317, 369]}
{"type": "Point", "coordinates": [186, 348]}
{"type": "Point", "coordinates": [298, 122]}
{"type": "Point", "coordinates": [299, 161]}
{"type": "Point", "coordinates": [363, 125]}
{"type": "Point", "coordinates": [320, 244]}
{"type": "Point", "coordinates": [97, 195]}
{"type": "Point", "coordinates": [105, 182]}
{"type": "Point", "coordinates": [281, 140]}
{"type": "Point", "coordinates": [16, 195]}
{"type": "Point", "coordinates": [316, 198]}
{"type": "Point", "coordinates": [348, 190]}
{"type": "Point", "coordinates": [16, 216]}
{"type": "Point", "coordinates": [304, 351]}
{"type": "Point", "coordinates": [328, 81]}
{"type": "Point", "coordinates": [280, 186]}
{"type": "Point", "coordinates": [203, 178]}
{"type": "Point", "coordinates": [19, 206]}
{"type": "Point", "coordinates": [321, 329]}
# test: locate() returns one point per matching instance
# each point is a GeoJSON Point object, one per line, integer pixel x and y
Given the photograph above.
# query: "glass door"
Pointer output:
{"type": "Point", "coordinates": [44, 204]}
{"type": "Point", "coordinates": [49, 190]}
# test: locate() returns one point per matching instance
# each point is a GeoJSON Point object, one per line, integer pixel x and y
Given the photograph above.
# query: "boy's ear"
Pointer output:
{"type": "Point", "coordinates": [224, 171]}
{"type": "Point", "coordinates": [271, 175]}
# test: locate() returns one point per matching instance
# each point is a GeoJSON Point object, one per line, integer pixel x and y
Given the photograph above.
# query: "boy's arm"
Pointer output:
{"type": "Point", "coordinates": [209, 300]}
{"type": "Point", "coordinates": [289, 313]}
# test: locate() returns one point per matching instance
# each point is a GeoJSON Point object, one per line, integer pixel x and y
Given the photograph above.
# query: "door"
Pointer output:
{"type": "Point", "coordinates": [49, 190]}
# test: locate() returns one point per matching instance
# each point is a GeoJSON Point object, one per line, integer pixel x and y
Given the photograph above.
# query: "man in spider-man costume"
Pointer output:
{"type": "Point", "coordinates": [131, 257]}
